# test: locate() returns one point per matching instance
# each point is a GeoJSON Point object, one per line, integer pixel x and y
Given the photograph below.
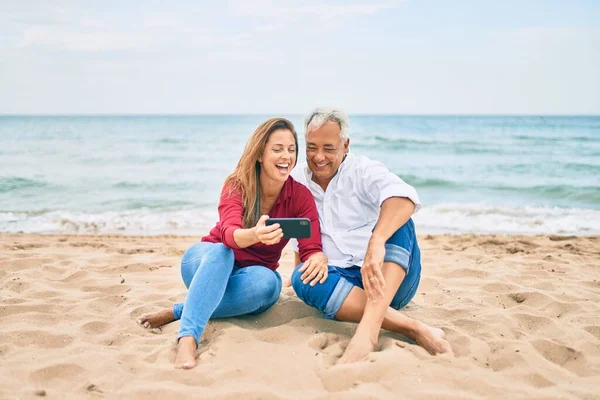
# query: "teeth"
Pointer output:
{"type": "Point", "coordinates": [283, 165]}
{"type": "Point", "coordinates": [321, 165]}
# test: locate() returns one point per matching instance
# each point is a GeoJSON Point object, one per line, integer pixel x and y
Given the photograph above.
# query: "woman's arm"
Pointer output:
{"type": "Point", "coordinates": [271, 234]}
{"type": "Point", "coordinates": [233, 235]}
{"type": "Point", "coordinates": [245, 237]}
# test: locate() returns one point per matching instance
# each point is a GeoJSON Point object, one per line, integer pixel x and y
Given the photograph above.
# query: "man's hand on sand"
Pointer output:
{"type": "Point", "coordinates": [372, 277]}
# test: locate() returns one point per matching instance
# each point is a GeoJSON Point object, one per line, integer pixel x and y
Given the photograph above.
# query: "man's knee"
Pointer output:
{"type": "Point", "coordinates": [400, 247]}
{"type": "Point", "coordinates": [296, 280]}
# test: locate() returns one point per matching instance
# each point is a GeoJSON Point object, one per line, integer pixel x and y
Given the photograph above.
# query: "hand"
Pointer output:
{"type": "Point", "coordinates": [271, 234]}
{"type": "Point", "coordinates": [372, 277]}
{"type": "Point", "coordinates": [315, 269]}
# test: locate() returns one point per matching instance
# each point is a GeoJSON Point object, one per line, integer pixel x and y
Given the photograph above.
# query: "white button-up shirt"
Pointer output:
{"type": "Point", "coordinates": [349, 208]}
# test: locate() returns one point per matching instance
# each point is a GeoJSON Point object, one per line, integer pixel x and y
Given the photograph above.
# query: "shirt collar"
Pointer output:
{"type": "Point", "coordinates": [286, 191]}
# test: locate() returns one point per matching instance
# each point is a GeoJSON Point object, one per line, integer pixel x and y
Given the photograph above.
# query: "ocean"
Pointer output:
{"type": "Point", "coordinates": [148, 175]}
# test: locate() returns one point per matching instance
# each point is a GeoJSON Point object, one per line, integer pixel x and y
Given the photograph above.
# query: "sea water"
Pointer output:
{"type": "Point", "coordinates": [163, 174]}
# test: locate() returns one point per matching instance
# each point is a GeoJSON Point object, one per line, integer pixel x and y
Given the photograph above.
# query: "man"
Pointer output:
{"type": "Point", "coordinates": [369, 237]}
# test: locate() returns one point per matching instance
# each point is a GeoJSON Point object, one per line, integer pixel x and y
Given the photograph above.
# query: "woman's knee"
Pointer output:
{"type": "Point", "coordinates": [193, 252]}
{"type": "Point", "coordinates": [267, 284]}
{"type": "Point", "coordinates": [220, 255]}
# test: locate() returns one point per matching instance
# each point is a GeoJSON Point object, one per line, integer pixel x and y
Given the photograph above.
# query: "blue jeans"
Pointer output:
{"type": "Point", "coordinates": [219, 289]}
{"type": "Point", "coordinates": [402, 248]}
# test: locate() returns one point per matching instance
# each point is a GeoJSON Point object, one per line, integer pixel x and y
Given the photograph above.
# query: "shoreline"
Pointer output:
{"type": "Point", "coordinates": [521, 312]}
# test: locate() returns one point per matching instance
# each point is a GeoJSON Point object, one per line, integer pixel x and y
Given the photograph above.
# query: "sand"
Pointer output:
{"type": "Point", "coordinates": [522, 315]}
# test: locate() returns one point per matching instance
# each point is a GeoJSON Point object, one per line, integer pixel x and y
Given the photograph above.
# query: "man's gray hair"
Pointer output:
{"type": "Point", "coordinates": [321, 115]}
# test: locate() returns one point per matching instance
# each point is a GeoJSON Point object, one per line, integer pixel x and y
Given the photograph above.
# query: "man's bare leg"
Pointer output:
{"type": "Point", "coordinates": [372, 316]}
{"type": "Point", "coordinates": [186, 353]}
{"type": "Point", "coordinates": [156, 319]}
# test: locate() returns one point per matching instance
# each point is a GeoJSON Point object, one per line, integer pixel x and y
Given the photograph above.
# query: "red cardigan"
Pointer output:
{"type": "Point", "coordinates": [294, 201]}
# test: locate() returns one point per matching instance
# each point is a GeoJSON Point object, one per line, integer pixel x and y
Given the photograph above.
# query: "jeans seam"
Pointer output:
{"type": "Point", "coordinates": [412, 290]}
{"type": "Point", "coordinates": [192, 260]}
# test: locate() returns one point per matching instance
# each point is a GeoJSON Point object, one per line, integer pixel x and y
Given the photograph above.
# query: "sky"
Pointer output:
{"type": "Point", "coordinates": [266, 57]}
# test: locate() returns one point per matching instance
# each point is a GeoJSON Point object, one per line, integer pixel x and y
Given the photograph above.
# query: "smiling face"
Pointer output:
{"type": "Point", "coordinates": [325, 151]}
{"type": "Point", "coordinates": [279, 156]}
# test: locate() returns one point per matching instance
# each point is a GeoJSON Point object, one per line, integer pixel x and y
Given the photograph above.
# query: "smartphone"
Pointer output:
{"type": "Point", "coordinates": [297, 228]}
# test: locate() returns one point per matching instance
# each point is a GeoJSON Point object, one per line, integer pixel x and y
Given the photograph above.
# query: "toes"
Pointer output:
{"type": "Point", "coordinates": [188, 365]}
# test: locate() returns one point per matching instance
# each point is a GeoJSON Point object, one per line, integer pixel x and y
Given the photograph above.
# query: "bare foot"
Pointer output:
{"type": "Point", "coordinates": [433, 340]}
{"type": "Point", "coordinates": [358, 349]}
{"type": "Point", "coordinates": [186, 353]}
{"type": "Point", "coordinates": [156, 319]}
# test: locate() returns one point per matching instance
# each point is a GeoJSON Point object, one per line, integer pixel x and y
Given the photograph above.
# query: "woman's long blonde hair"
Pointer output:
{"type": "Point", "coordinates": [245, 177]}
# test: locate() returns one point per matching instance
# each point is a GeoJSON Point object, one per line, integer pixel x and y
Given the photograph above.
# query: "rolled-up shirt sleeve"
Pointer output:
{"type": "Point", "coordinates": [379, 184]}
{"type": "Point", "coordinates": [231, 211]}
{"type": "Point", "coordinates": [306, 208]}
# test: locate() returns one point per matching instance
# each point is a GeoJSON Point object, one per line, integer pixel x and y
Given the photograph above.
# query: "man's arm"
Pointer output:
{"type": "Point", "coordinates": [394, 213]}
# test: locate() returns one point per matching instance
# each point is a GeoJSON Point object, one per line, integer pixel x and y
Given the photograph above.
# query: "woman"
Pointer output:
{"type": "Point", "coordinates": [231, 272]}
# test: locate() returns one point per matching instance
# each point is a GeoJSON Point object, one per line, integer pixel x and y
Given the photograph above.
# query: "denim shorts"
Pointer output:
{"type": "Point", "coordinates": [402, 248]}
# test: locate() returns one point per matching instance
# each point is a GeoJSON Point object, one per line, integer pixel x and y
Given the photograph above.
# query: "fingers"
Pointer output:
{"type": "Point", "coordinates": [306, 264]}
{"type": "Point", "coordinates": [373, 283]}
{"type": "Point", "coordinates": [377, 288]}
{"type": "Point", "coordinates": [320, 276]}
{"type": "Point", "coordinates": [314, 272]}
{"type": "Point", "coordinates": [262, 220]}
{"type": "Point", "coordinates": [367, 287]}
{"type": "Point", "coordinates": [272, 238]}
{"type": "Point", "coordinates": [262, 224]}
{"type": "Point", "coordinates": [271, 234]}
{"type": "Point", "coordinates": [316, 275]}
{"type": "Point", "coordinates": [325, 274]}
{"type": "Point", "coordinates": [380, 279]}
{"type": "Point", "coordinates": [287, 282]}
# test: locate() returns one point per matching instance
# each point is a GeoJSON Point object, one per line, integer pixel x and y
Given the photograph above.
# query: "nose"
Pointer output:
{"type": "Point", "coordinates": [319, 157]}
{"type": "Point", "coordinates": [289, 154]}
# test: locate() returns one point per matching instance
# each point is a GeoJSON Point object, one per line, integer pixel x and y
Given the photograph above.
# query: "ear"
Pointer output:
{"type": "Point", "coordinates": [346, 145]}
{"type": "Point", "coordinates": [260, 159]}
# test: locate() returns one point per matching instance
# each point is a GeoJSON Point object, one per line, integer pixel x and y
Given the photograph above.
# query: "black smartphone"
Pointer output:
{"type": "Point", "coordinates": [297, 228]}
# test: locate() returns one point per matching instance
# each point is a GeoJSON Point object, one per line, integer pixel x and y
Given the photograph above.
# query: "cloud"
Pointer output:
{"type": "Point", "coordinates": [245, 26]}
{"type": "Point", "coordinates": [308, 14]}
{"type": "Point", "coordinates": [263, 8]}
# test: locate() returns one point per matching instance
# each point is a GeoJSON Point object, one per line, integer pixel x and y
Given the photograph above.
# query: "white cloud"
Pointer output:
{"type": "Point", "coordinates": [310, 15]}
{"type": "Point", "coordinates": [264, 56]}
{"type": "Point", "coordinates": [290, 9]}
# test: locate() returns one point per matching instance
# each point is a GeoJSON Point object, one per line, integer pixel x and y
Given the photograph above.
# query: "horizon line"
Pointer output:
{"type": "Point", "coordinates": [294, 114]}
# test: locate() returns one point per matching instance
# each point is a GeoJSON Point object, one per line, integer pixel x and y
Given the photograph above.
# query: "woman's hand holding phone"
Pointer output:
{"type": "Point", "coordinates": [268, 235]}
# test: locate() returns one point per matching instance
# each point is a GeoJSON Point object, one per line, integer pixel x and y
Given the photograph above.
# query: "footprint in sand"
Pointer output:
{"type": "Point", "coordinates": [563, 356]}
{"type": "Point", "coordinates": [42, 339]}
{"type": "Point", "coordinates": [323, 341]}
{"type": "Point", "coordinates": [67, 372]}
{"type": "Point", "coordinates": [95, 327]}
{"type": "Point", "coordinates": [594, 330]}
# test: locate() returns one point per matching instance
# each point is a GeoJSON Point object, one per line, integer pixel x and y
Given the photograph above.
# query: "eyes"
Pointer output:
{"type": "Point", "coordinates": [279, 149]}
{"type": "Point", "coordinates": [327, 149]}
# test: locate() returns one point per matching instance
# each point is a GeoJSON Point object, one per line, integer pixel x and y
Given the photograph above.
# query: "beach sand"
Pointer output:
{"type": "Point", "coordinates": [522, 314]}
